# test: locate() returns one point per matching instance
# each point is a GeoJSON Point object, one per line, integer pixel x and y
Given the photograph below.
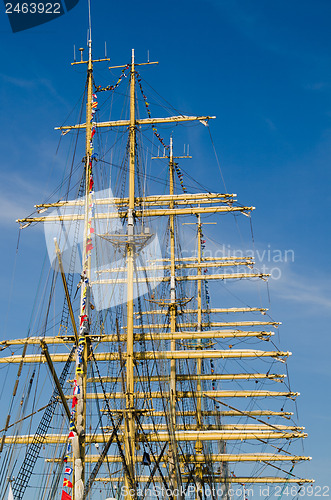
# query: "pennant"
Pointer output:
{"type": "Point", "coordinates": [93, 132]}
{"type": "Point", "coordinates": [149, 112]}
{"type": "Point", "coordinates": [89, 247]}
{"type": "Point", "coordinates": [65, 496]}
{"type": "Point", "coordinates": [82, 319]}
{"type": "Point", "coordinates": [71, 435]}
{"type": "Point", "coordinates": [67, 483]}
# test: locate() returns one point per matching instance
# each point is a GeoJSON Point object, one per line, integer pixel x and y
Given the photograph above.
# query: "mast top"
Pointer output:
{"type": "Point", "coordinates": [89, 22]}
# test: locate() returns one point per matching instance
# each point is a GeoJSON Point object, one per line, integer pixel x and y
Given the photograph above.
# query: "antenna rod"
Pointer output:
{"type": "Point", "coordinates": [89, 21]}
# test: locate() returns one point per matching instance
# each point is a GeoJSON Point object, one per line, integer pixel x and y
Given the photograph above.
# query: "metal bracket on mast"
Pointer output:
{"type": "Point", "coordinates": [136, 64]}
{"type": "Point", "coordinates": [86, 62]}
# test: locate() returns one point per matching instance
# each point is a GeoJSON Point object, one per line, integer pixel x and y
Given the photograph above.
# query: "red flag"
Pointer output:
{"type": "Point", "coordinates": [82, 319]}
{"type": "Point", "coordinates": [65, 496]}
{"type": "Point", "coordinates": [74, 402]}
{"type": "Point", "coordinates": [89, 247]}
{"type": "Point", "coordinates": [66, 482]}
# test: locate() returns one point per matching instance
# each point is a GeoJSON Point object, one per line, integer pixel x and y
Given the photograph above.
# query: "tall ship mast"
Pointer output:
{"type": "Point", "coordinates": [139, 383]}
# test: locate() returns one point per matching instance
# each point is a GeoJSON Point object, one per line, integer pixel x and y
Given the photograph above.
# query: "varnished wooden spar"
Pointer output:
{"type": "Point", "coordinates": [195, 394]}
{"type": "Point", "coordinates": [142, 121]}
{"type": "Point", "coordinates": [213, 376]}
{"type": "Point", "coordinates": [158, 212]}
{"type": "Point", "coordinates": [79, 446]}
{"type": "Point", "coordinates": [206, 334]}
{"type": "Point", "coordinates": [213, 413]}
{"type": "Point", "coordinates": [213, 324]}
{"type": "Point", "coordinates": [212, 310]}
{"type": "Point", "coordinates": [164, 279]}
{"type": "Point", "coordinates": [227, 480]}
{"type": "Point", "coordinates": [161, 199]}
{"type": "Point", "coordinates": [205, 259]}
{"type": "Point", "coordinates": [129, 434]}
{"type": "Point", "coordinates": [227, 427]}
{"type": "Point", "coordinates": [66, 291]}
{"type": "Point", "coordinates": [203, 265]}
{"type": "Point", "coordinates": [221, 457]}
{"type": "Point", "coordinates": [153, 437]}
{"type": "Point", "coordinates": [189, 354]}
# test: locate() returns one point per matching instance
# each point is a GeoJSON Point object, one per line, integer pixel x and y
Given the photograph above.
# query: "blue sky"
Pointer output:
{"type": "Point", "coordinates": [264, 70]}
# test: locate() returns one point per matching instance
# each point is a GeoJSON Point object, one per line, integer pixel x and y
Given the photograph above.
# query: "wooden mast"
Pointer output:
{"type": "Point", "coordinates": [81, 368]}
{"type": "Point", "coordinates": [172, 306]}
{"type": "Point", "coordinates": [129, 414]}
{"type": "Point", "coordinates": [78, 441]}
{"type": "Point", "coordinates": [198, 445]}
{"type": "Point", "coordinates": [173, 458]}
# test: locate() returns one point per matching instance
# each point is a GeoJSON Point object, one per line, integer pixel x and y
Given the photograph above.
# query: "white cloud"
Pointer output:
{"type": "Point", "coordinates": [33, 85]}
{"type": "Point", "coordinates": [11, 209]}
{"type": "Point", "coordinates": [19, 198]}
{"type": "Point", "coordinates": [314, 292]}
